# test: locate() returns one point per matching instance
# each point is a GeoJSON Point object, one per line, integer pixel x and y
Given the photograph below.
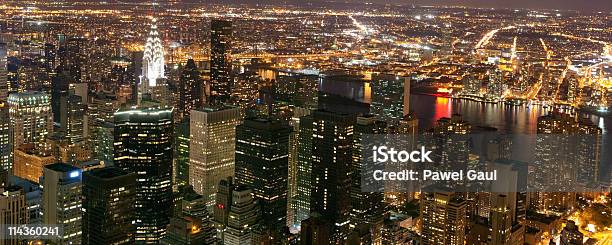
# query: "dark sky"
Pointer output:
{"type": "Point", "coordinates": [582, 5]}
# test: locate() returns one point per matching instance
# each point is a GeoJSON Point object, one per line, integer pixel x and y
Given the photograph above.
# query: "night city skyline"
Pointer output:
{"type": "Point", "coordinates": [306, 122]}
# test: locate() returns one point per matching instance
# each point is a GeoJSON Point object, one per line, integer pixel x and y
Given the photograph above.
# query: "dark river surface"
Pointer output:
{"type": "Point", "coordinates": [507, 119]}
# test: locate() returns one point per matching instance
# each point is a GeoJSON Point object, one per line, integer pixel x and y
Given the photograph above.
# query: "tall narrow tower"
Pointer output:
{"type": "Point", "coordinates": [220, 61]}
{"type": "Point", "coordinates": [152, 63]}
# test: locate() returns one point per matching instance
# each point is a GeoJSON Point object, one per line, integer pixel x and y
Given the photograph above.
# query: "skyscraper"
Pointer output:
{"type": "Point", "coordinates": [190, 91]}
{"type": "Point", "coordinates": [242, 217]}
{"type": "Point", "coordinates": [223, 203]}
{"type": "Point", "coordinates": [444, 218]}
{"type": "Point", "coordinates": [71, 58]}
{"type": "Point", "coordinates": [108, 206]}
{"type": "Point", "coordinates": [331, 152]}
{"type": "Point", "coordinates": [144, 145]}
{"type": "Point", "coordinates": [193, 207]}
{"type": "Point", "coordinates": [62, 200]}
{"type": "Point", "coordinates": [568, 154]}
{"type": "Point", "coordinates": [303, 176]}
{"type": "Point", "coordinates": [292, 176]}
{"type": "Point", "coordinates": [262, 149]}
{"type": "Point", "coordinates": [31, 117]}
{"type": "Point", "coordinates": [501, 219]}
{"type": "Point", "coordinates": [212, 148]}
{"type": "Point", "coordinates": [220, 60]}
{"type": "Point", "coordinates": [13, 211]}
{"type": "Point", "coordinates": [366, 207]}
{"type": "Point", "coordinates": [72, 118]}
{"type": "Point", "coordinates": [4, 84]}
{"type": "Point", "coordinates": [152, 64]}
{"type": "Point", "coordinates": [181, 159]}
{"type": "Point", "coordinates": [6, 153]}
{"type": "Point", "coordinates": [390, 97]}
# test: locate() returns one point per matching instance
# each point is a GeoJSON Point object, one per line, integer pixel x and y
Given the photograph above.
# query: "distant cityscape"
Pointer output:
{"type": "Point", "coordinates": [176, 122]}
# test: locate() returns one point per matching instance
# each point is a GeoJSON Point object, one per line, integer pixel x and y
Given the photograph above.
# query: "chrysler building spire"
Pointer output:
{"type": "Point", "coordinates": [152, 62]}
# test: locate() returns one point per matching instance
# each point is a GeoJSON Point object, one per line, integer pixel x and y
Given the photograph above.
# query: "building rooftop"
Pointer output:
{"type": "Point", "coordinates": [62, 167]}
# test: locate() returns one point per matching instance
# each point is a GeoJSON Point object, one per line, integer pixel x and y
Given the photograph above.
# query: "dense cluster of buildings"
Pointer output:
{"type": "Point", "coordinates": [243, 141]}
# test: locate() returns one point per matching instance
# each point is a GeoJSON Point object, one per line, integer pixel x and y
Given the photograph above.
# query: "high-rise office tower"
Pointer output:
{"type": "Point", "coordinates": [50, 56]}
{"type": "Point", "coordinates": [568, 153]}
{"type": "Point", "coordinates": [390, 97]}
{"type": "Point", "coordinates": [292, 186]}
{"type": "Point", "coordinates": [190, 91]}
{"type": "Point", "coordinates": [108, 206]}
{"type": "Point", "coordinates": [331, 152]}
{"type": "Point", "coordinates": [262, 148]}
{"type": "Point", "coordinates": [223, 203]}
{"type": "Point", "coordinates": [31, 117]}
{"type": "Point", "coordinates": [193, 206]}
{"type": "Point", "coordinates": [71, 58]}
{"type": "Point", "coordinates": [6, 151]}
{"type": "Point", "coordinates": [60, 86]}
{"type": "Point", "coordinates": [144, 145]}
{"type": "Point", "coordinates": [152, 65]}
{"type": "Point", "coordinates": [72, 118]}
{"type": "Point", "coordinates": [181, 160]}
{"type": "Point", "coordinates": [62, 200]}
{"type": "Point", "coordinates": [4, 84]}
{"type": "Point", "coordinates": [366, 207]}
{"type": "Point", "coordinates": [444, 218]}
{"type": "Point", "coordinates": [212, 148]}
{"type": "Point", "coordinates": [303, 176]}
{"type": "Point", "coordinates": [13, 211]}
{"type": "Point", "coordinates": [242, 217]}
{"type": "Point", "coordinates": [220, 60]}
{"type": "Point", "coordinates": [501, 219]}
{"type": "Point", "coordinates": [100, 125]}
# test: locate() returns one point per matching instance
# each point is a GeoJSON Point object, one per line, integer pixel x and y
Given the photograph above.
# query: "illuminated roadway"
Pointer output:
{"type": "Point", "coordinates": [489, 35]}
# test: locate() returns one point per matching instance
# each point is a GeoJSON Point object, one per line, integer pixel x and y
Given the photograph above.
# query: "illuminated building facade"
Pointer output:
{"type": "Point", "coordinates": [72, 118]}
{"type": "Point", "coordinates": [190, 91]}
{"type": "Point", "coordinates": [501, 219]}
{"type": "Point", "coordinates": [181, 160]}
{"type": "Point", "coordinates": [4, 83]}
{"type": "Point", "coordinates": [444, 218]}
{"type": "Point", "coordinates": [6, 152]}
{"type": "Point", "coordinates": [108, 206]}
{"type": "Point", "coordinates": [13, 211]}
{"type": "Point", "coordinates": [331, 157]}
{"type": "Point", "coordinates": [220, 60]}
{"type": "Point", "coordinates": [292, 176]}
{"type": "Point", "coordinates": [30, 161]}
{"type": "Point", "coordinates": [184, 230]}
{"type": "Point", "coordinates": [261, 165]}
{"type": "Point", "coordinates": [571, 234]}
{"type": "Point", "coordinates": [31, 117]}
{"type": "Point", "coordinates": [242, 217]}
{"type": "Point", "coordinates": [144, 145]}
{"type": "Point", "coordinates": [212, 148]}
{"type": "Point", "coordinates": [366, 207]}
{"type": "Point", "coordinates": [152, 64]}
{"type": "Point", "coordinates": [223, 203]}
{"type": "Point", "coordinates": [390, 96]}
{"type": "Point", "coordinates": [62, 200]}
